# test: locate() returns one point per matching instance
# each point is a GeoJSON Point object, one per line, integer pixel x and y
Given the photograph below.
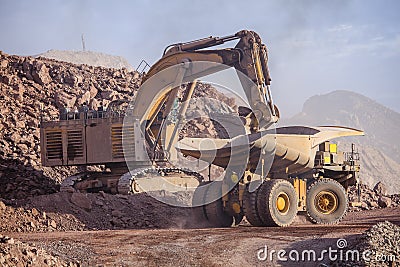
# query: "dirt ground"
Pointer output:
{"type": "Point", "coordinates": [204, 247]}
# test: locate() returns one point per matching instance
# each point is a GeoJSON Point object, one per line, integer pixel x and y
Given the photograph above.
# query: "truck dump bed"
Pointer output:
{"type": "Point", "coordinates": [294, 147]}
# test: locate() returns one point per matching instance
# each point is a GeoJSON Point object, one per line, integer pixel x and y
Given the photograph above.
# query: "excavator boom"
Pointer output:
{"type": "Point", "coordinates": [249, 57]}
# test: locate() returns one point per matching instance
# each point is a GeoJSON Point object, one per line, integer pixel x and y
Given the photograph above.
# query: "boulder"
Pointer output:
{"type": "Point", "coordinates": [364, 206]}
{"type": "Point", "coordinates": [380, 189]}
{"type": "Point", "coordinates": [73, 80]}
{"type": "Point", "coordinates": [35, 212]}
{"type": "Point", "coordinates": [27, 68]}
{"type": "Point", "coordinates": [23, 148]}
{"type": "Point", "coordinates": [93, 91]}
{"type": "Point", "coordinates": [201, 127]}
{"type": "Point", "coordinates": [3, 63]}
{"type": "Point", "coordinates": [384, 202]}
{"type": "Point", "coordinates": [84, 98]}
{"type": "Point", "coordinates": [65, 100]}
{"type": "Point", "coordinates": [40, 73]}
{"type": "Point", "coordinates": [53, 224]}
{"type": "Point", "coordinates": [117, 213]}
{"type": "Point", "coordinates": [99, 203]}
{"type": "Point", "coordinates": [136, 75]}
{"type": "Point", "coordinates": [7, 240]}
{"type": "Point", "coordinates": [15, 137]}
{"type": "Point", "coordinates": [81, 200]}
{"type": "Point", "coordinates": [94, 104]}
{"type": "Point", "coordinates": [372, 204]}
{"type": "Point", "coordinates": [9, 80]}
{"type": "Point", "coordinates": [19, 92]}
{"type": "Point", "coordinates": [107, 94]}
{"type": "Point", "coordinates": [20, 124]}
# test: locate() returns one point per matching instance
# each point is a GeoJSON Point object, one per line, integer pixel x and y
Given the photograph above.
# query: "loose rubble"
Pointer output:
{"type": "Point", "coordinates": [15, 253]}
{"type": "Point", "coordinates": [380, 245]}
{"type": "Point", "coordinates": [26, 219]}
{"type": "Point", "coordinates": [372, 198]}
{"type": "Point", "coordinates": [95, 211]}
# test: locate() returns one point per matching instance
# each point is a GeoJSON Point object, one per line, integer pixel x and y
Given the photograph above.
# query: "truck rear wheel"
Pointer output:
{"type": "Point", "coordinates": [214, 211]}
{"type": "Point", "coordinates": [198, 208]}
{"type": "Point", "coordinates": [277, 203]}
{"type": "Point", "coordinates": [326, 201]}
{"type": "Point", "coordinates": [250, 207]}
{"type": "Point", "coordinates": [233, 206]}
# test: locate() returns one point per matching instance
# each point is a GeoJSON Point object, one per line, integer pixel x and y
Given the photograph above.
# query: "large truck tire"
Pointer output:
{"type": "Point", "coordinates": [277, 203]}
{"type": "Point", "coordinates": [198, 207]}
{"type": "Point", "coordinates": [214, 211]}
{"type": "Point", "coordinates": [250, 207]}
{"type": "Point", "coordinates": [326, 201]}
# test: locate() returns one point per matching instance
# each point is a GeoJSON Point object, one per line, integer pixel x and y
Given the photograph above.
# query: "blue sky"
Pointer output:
{"type": "Point", "coordinates": [315, 46]}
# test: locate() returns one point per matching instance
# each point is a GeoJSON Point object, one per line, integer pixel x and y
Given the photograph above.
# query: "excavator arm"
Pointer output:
{"type": "Point", "coordinates": [249, 57]}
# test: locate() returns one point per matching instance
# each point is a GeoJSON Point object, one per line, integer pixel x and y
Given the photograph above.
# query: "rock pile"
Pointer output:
{"type": "Point", "coordinates": [26, 219]}
{"type": "Point", "coordinates": [373, 198]}
{"type": "Point", "coordinates": [204, 90]}
{"type": "Point", "coordinates": [15, 253]}
{"type": "Point", "coordinates": [28, 84]}
{"type": "Point", "coordinates": [378, 246]}
{"type": "Point", "coordinates": [65, 211]}
{"type": "Point", "coordinates": [206, 101]}
{"type": "Point", "coordinates": [105, 211]}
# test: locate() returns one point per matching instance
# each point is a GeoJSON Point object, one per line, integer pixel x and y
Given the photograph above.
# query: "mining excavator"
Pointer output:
{"type": "Point", "coordinates": [270, 174]}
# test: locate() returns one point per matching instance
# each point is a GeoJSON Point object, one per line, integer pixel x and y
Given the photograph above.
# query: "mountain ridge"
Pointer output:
{"type": "Point", "coordinates": [380, 151]}
{"type": "Point", "coordinates": [90, 58]}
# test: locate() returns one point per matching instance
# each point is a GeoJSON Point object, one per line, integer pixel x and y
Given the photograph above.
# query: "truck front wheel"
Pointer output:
{"type": "Point", "coordinates": [326, 201]}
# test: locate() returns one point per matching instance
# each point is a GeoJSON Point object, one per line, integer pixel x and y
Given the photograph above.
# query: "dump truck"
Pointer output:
{"type": "Point", "coordinates": [270, 174]}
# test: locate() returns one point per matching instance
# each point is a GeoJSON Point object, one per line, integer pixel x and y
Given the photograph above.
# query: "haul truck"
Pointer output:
{"type": "Point", "coordinates": [284, 170]}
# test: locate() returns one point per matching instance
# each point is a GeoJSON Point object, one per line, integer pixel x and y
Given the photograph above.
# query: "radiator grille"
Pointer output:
{"type": "Point", "coordinates": [75, 144]}
{"type": "Point", "coordinates": [119, 132]}
{"type": "Point", "coordinates": [54, 145]}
